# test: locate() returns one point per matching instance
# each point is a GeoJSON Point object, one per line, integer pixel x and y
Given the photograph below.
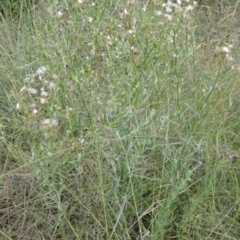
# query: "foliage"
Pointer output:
{"type": "Point", "coordinates": [119, 120]}
{"type": "Point", "coordinates": [15, 8]}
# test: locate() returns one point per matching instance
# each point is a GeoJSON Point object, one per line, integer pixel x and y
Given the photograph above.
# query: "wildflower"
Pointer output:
{"type": "Point", "coordinates": [134, 49]}
{"type": "Point", "coordinates": [28, 79]}
{"type": "Point", "coordinates": [90, 19]}
{"type": "Point", "coordinates": [226, 50]}
{"type": "Point", "coordinates": [168, 9]}
{"type": "Point", "coordinates": [41, 70]}
{"type": "Point", "coordinates": [51, 85]}
{"type": "Point", "coordinates": [35, 111]}
{"type": "Point", "coordinates": [189, 8]}
{"type": "Point", "coordinates": [200, 162]}
{"type": "Point", "coordinates": [23, 88]}
{"type": "Point", "coordinates": [158, 13]}
{"type": "Point", "coordinates": [109, 40]}
{"type": "Point", "coordinates": [130, 32]}
{"type": "Point", "coordinates": [69, 109]}
{"type": "Point", "coordinates": [32, 91]}
{"type": "Point", "coordinates": [80, 1]}
{"type": "Point", "coordinates": [43, 100]}
{"type": "Point", "coordinates": [44, 94]}
{"type": "Point", "coordinates": [168, 16]}
{"type": "Point", "coordinates": [53, 123]}
{"type": "Point", "coordinates": [59, 14]}
{"type": "Point", "coordinates": [47, 122]}
{"type": "Point", "coordinates": [18, 106]}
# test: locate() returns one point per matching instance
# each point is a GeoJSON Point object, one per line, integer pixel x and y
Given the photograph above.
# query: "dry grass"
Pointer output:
{"type": "Point", "coordinates": [134, 131]}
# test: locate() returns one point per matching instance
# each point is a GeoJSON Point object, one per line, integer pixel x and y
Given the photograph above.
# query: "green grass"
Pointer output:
{"type": "Point", "coordinates": [117, 123]}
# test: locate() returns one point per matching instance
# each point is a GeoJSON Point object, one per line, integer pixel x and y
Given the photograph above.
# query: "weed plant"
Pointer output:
{"type": "Point", "coordinates": [120, 120]}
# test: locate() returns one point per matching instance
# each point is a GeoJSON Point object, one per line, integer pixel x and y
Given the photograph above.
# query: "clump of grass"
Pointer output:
{"type": "Point", "coordinates": [14, 10]}
{"type": "Point", "coordinates": [116, 125]}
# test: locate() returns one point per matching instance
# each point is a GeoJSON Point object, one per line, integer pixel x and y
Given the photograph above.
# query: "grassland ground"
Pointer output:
{"type": "Point", "coordinates": [120, 120]}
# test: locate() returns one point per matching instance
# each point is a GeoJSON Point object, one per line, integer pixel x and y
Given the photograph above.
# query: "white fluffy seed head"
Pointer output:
{"type": "Point", "coordinates": [51, 85]}
{"type": "Point", "coordinates": [41, 70]}
{"type": "Point", "coordinates": [44, 94]}
{"type": "Point", "coordinates": [226, 50]}
{"type": "Point", "coordinates": [43, 100]}
{"type": "Point", "coordinates": [59, 14]}
{"type": "Point", "coordinates": [32, 91]}
{"type": "Point", "coordinates": [18, 106]}
{"type": "Point", "coordinates": [35, 111]}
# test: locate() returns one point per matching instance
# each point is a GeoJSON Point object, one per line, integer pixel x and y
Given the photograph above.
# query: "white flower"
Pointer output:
{"type": "Point", "coordinates": [226, 50]}
{"type": "Point", "coordinates": [168, 16]}
{"type": "Point", "coordinates": [168, 9]}
{"type": "Point", "coordinates": [189, 8]}
{"type": "Point", "coordinates": [80, 1]}
{"type": "Point", "coordinates": [18, 106]}
{"type": "Point", "coordinates": [134, 49]}
{"type": "Point", "coordinates": [44, 94]}
{"type": "Point", "coordinates": [35, 111]}
{"type": "Point", "coordinates": [23, 88]}
{"type": "Point", "coordinates": [47, 122]}
{"type": "Point", "coordinates": [158, 13]}
{"type": "Point", "coordinates": [90, 19]}
{"type": "Point", "coordinates": [53, 122]}
{"type": "Point", "coordinates": [43, 100]}
{"type": "Point", "coordinates": [59, 14]}
{"type": "Point", "coordinates": [32, 91]}
{"type": "Point", "coordinates": [130, 31]}
{"type": "Point", "coordinates": [51, 85]}
{"type": "Point", "coordinates": [41, 70]}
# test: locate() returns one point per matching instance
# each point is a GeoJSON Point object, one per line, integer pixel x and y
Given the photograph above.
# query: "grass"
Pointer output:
{"type": "Point", "coordinates": [120, 121]}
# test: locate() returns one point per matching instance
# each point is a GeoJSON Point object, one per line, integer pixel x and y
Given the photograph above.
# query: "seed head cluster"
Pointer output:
{"type": "Point", "coordinates": [35, 93]}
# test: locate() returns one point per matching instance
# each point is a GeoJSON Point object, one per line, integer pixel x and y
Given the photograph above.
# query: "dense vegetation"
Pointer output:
{"type": "Point", "coordinates": [119, 120]}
